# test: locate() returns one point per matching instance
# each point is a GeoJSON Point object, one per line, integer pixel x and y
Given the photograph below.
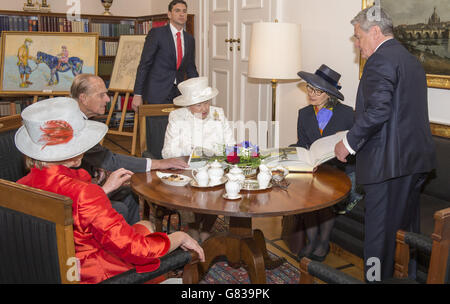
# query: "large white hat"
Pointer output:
{"type": "Point", "coordinates": [194, 91]}
{"type": "Point", "coordinates": [56, 130]}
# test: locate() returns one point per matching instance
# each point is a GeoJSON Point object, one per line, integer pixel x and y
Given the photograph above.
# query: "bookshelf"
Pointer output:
{"type": "Point", "coordinates": [109, 29]}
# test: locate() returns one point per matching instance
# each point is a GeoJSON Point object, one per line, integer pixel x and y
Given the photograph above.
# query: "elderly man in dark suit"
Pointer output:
{"type": "Point", "coordinates": [391, 138]}
{"type": "Point", "coordinates": [167, 58]}
{"type": "Point", "coordinates": [92, 96]}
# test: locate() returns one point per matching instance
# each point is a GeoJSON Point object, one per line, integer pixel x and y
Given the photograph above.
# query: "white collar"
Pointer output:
{"type": "Point", "coordinates": [174, 30]}
{"type": "Point", "coordinates": [382, 43]}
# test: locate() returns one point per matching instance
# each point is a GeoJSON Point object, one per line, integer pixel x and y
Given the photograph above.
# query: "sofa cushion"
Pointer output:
{"type": "Point", "coordinates": [437, 184]}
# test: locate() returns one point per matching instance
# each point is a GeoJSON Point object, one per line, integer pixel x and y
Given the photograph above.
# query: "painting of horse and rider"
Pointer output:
{"type": "Point", "coordinates": [46, 62]}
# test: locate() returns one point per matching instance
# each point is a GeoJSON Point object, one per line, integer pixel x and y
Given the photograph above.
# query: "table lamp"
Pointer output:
{"type": "Point", "coordinates": [275, 54]}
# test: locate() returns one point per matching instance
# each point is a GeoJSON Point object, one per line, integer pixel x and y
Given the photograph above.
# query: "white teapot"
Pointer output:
{"type": "Point", "coordinates": [233, 186]}
{"type": "Point", "coordinates": [264, 177]}
{"type": "Point", "coordinates": [238, 174]}
{"type": "Point", "coordinates": [215, 173]}
{"type": "Point", "coordinates": [201, 176]}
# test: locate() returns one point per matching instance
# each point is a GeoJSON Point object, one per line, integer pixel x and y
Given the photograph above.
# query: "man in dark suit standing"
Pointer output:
{"type": "Point", "coordinates": [167, 59]}
{"type": "Point", "coordinates": [391, 138]}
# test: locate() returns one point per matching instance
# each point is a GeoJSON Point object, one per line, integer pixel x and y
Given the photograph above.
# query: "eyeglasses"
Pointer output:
{"type": "Point", "coordinates": [313, 90]}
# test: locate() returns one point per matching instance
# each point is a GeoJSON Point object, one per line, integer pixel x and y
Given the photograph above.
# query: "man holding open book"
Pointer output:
{"type": "Point", "coordinates": [391, 137]}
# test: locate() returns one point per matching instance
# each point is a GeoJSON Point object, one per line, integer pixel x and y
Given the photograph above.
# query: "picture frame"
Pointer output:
{"type": "Point", "coordinates": [419, 28]}
{"type": "Point", "coordinates": [45, 63]}
{"type": "Point", "coordinates": [126, 63]}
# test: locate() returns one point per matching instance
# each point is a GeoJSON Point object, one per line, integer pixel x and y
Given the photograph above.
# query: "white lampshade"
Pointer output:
{"type": "Point", "coordinates": [275, 51]}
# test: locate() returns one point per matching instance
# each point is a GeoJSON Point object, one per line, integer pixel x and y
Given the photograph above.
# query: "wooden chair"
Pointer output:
{"type": "Point", "coordinates": [153, 150]}
{"type": "Point", "coordinates": [437, 247]}
{"type": "Point", "coordinates": [155, 145]}
{"type": "Point", "coordinates": [37, 245]}
{"type": "Point", "coordinates": [11, 160]}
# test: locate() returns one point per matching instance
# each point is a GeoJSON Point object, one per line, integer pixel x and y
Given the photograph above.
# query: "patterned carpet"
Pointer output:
{"type": "Point", "coordinates": [222, 273]}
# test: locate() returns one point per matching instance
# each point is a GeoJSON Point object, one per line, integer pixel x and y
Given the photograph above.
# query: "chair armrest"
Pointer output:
{"type": "Point", "coordinates": [421, 242]}
{"type": "Point", "coordinates": [172, 261]}
{"type": "Point", "coordinates": [324, 273]}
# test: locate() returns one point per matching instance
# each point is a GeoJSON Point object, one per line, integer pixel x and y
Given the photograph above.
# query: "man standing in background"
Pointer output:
{"type": "Point", "coordinates": [167, 59]}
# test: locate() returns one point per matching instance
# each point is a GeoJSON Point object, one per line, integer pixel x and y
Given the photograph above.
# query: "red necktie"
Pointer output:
{"type": "Point", "coordinates": [179, 50]}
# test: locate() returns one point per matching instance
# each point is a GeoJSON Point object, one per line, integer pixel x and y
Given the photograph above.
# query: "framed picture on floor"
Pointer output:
{"type": "Point", "coordinates": [45, 63]}
{"type": "Point", "coordinates": [423, 27]}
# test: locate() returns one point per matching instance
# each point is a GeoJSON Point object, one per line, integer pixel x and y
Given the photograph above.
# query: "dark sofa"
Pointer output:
{"type": "Point", "coordinates": [348, 232]}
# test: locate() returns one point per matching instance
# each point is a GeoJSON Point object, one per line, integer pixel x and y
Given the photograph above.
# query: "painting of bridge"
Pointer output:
{"type": "Point", "coordinates": [423, 27]}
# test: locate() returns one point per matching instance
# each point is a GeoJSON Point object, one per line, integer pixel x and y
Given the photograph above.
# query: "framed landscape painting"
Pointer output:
{"type": "Point", "coordinates": [423, 27]}
{"type": "Point", "coordinates": [34, 63]}
{"type": "Point", "coordinates": [126, 63]}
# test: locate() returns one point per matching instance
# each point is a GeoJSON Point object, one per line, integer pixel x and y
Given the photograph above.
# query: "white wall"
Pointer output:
{"type": "Point", "coordinates": [326, 37]}
{"type": "Point", "coordinates": [90, 7]}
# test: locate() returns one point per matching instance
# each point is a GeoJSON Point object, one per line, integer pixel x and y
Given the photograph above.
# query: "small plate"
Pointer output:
{"type": "Point", "coordinates": [225, 196]}
{"type": "Point", "coordinates": [253, 185]}
{"type": "Point", "coordinates": [194, 183]}
{"type": "Point", "coordinates": [184, 180]}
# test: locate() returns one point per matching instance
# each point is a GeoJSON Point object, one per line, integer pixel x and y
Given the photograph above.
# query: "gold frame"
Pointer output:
{"type": "Point", "coordinates": [434, 81]}
{"type": "Point", "coordinates": [93, 51]}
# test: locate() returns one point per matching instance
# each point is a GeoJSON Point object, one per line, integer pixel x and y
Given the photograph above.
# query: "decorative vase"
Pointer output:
{"type": "Point", "coordinates": [107, 4]}
{"type": "Point", "coordinates": [30, 7]}
{"type": "Point", "coordinates": [249, 171]}
{"type": "Point", "coordinates": [44, 7]}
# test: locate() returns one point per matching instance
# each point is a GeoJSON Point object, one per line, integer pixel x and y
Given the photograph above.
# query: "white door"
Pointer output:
{"type": "Point", "coordinates": [246, 102]}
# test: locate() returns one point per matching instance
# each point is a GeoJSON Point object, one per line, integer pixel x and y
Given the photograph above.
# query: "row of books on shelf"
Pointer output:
{"type": "Point", "coordinates": [113, 29]}
{"type": "Point", "coordinates": [115, 120]}
{"type": "Point", "coordinates": [107, 48]}
{"type": "Point", "coordinates": [105, 66]}
{"type": "Point", "coordinates": [14, 107]}
{"type": "Point", "coordinates": [61, 24]}
{"type": "Point", "coordinates": [19, 23]}
{"type": "Point", "coordinates": [144, 27]}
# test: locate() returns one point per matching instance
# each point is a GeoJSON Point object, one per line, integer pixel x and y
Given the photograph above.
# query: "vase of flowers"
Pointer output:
{"type": "Point", "coordinates": [244, 155]}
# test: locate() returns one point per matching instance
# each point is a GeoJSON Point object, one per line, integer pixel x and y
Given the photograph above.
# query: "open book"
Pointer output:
{"type": "Point", "coordinates": [303, 160]}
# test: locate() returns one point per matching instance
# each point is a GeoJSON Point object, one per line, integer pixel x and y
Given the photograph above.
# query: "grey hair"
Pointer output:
{"type": "Point", "coordinates": [366, 20]}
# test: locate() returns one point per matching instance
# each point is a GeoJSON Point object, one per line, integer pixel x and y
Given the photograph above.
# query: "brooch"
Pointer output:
{"type": "Point", "coordinates": [216, 116]}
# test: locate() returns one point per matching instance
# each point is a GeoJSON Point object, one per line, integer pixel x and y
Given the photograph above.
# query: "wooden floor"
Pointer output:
{"type": "Point", "coordinates": [271, 227]}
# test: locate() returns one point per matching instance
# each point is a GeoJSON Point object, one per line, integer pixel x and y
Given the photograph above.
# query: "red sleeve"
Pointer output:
{"type": "Point", "coordinates": [112, 231]}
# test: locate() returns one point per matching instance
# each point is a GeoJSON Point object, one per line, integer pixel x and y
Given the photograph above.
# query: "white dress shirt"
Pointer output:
{"type": "Point", "coordinates": [185, 132]}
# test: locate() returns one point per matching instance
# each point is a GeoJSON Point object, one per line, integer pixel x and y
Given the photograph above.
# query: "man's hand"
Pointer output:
{"type": "Point", "coordinates": [137, 101]}
{"type": "Point", "coordinates": [341, 151]}
{"type": "Point", "coordinates": [116, 179]}
{"type": "Point", "coordinates": [170, 163]}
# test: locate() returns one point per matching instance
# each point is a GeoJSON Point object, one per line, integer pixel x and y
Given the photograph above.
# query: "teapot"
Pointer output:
{"type": "Point", "coordinates": [237, 173]}
{"type": "Point", "coordinates": [201, 176]}
{"type": "Point", "coordinates": [215, 172]}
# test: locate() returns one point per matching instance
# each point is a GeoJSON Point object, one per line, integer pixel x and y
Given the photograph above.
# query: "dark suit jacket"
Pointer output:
{"type": "Point", "coordinates": [101, 157]}
{"type": "Point", "coordinates": [157, 69]}
{"type": "Point", "coordinates": [308, 129]}
{"type": "Point", "coordinates": [392, 135]}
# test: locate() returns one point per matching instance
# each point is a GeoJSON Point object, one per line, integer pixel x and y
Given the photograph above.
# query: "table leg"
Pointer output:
{"type": "Point", "coordinates": [240, 244]}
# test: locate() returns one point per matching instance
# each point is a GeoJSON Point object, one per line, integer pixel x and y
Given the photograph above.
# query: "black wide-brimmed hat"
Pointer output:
{"type": "Point", "coordinates": [324, 79]}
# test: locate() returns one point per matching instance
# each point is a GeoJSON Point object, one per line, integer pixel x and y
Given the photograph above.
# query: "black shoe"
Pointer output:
{"type": "Point", "coordinates": [319, 258]}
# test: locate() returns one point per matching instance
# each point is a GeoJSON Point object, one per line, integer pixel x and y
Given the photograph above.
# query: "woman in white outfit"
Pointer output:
{"type": "Point", "coordinates": [197, 124]}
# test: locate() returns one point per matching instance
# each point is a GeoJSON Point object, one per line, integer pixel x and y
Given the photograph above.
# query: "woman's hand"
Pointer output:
{"type": "Point", "coordinates": [183, 240]}
{"type": "Point", "coordinates": [116, 179]}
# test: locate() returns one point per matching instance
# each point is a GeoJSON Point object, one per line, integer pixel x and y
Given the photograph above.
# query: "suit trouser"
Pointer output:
{"type": "Point", "coordinates": [390, 205]}
{"type": "Point", "coordinates": [126, 204]}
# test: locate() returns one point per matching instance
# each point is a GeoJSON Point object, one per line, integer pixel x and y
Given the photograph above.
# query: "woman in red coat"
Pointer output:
{"type": "Point", "coordinates": [54, 137]}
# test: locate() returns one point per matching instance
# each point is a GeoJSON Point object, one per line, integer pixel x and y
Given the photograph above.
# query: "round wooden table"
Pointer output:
{"type": "Point", "coordinates": [307, 192]}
